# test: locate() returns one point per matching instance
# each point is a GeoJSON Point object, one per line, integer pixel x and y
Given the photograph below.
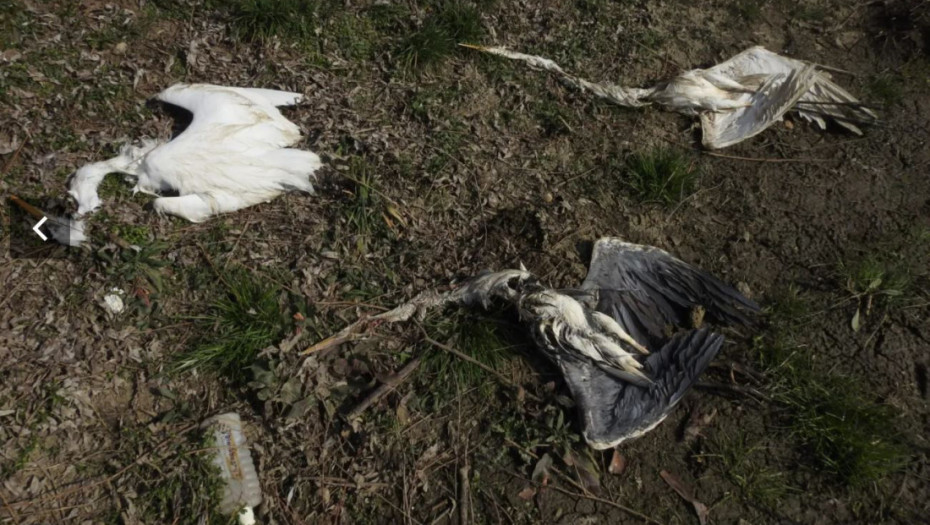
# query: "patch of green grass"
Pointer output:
{"type": "Point", "coordinates": [553, 120]}
{"type": "Point", "coordinates": [245, 320]}
{"type": "Point", "coordinates": [452, 22]}
{"type": "Point", "coordinates": [355, 36]}
{"type": "Point", "coordinates": [660, 175]}
{"type": "Point", "coordinates": [744, 464]}
{"type": "Point", "coordinates": [488, 342]}
{"type": "Point", "coordinates": [178, 485]}
{"type": "Point", "coordinates": [366, 214]}
{"type": "Point", "coordinates": [811, 13]}
{"type": "Point", "coordinates": [842, 431]}
{"type": "Point", "coordinates": [257, 20]}
{"type": "Point", "coordinates": [886, 89]}
{"type": "Point", "coordinates": [13, 19]}
{"type": "Point", "coordinates": [748, 10]}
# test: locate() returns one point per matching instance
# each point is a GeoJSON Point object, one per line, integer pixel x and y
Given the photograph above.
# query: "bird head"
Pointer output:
{"type": "Point", "coordinates": [507, 285]}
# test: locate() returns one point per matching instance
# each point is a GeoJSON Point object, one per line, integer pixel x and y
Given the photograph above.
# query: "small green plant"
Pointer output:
{"type": "Point", "coordinates": [246, 319]}
{"type": "Point", "coordinates": [744, 464]}
{"type": "Point", "coordinates": [871, 279]}
{"type": "Point", "coordinates": [135, 265]}
{"type": "Point", "coordinates": [452, 22]}
{"type": "Point", "coordinates": [660, 175]}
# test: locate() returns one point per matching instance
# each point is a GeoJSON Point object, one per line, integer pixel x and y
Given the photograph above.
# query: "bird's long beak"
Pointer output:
{"type": "Point", "coordinates": [472, 46]}
{"type": "Point", "coordinates": [28, 208]}
{"type": "Point", "coordinates": [334, 340]}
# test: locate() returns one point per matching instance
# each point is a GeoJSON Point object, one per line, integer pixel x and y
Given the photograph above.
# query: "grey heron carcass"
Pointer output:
{"type": "Point", "coordinates": [610, 337]}
{"type": "Point", "coordinates": [236, 152]}
{"type": "Point", "coordinates": [735, 99]}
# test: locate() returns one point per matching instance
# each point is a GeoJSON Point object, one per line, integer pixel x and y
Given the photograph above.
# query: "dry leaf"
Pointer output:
{"type": "Point", "coordinates": [697, 422]}
{"type": "Point", "coordinates": [541, 471]}
{"type": "Point", "coordinates": [527, 493]}
{"type": "Point", "coordinates": [587, 471]}
{"type": "Point", "coordinates": [686, 493]}
{"type": "Point", "coordinates": [617, 463]}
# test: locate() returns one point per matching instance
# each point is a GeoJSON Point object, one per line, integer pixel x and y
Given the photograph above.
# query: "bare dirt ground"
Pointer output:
{"type": "Point", "coordinates": [434, 172]}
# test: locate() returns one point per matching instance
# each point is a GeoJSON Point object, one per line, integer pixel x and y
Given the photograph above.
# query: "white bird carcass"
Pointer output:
{"type": "Point", "coordinates": [736, 99]}
{"type": "Point", "coordinates": [235, 153]}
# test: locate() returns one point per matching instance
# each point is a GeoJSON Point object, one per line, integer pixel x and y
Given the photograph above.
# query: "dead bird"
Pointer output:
{"type": "Point", "coordinates": [736, 99]}
{"type": "Point", "coordinates": [235, 153]}
{"type": "Point", "coordinates": [609, 337]}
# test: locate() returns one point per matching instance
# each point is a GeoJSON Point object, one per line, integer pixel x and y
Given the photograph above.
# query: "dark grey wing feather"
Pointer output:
{"type": "Point", "coordinates": [645, 290]}
{"type": "Point", "coordinates": [613, 410]}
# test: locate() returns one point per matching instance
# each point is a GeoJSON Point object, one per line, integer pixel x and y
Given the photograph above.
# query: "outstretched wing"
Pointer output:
{"type": "Point", "coordinates": [240, 113]}
{"type": "Point", "coordinates": [767, 105]}
{"type": "Point", "coordinates": [823, 99]}
{"type": "Point", "coordinates": [646, 290]}
{"type": "Point", "coordinates": [613, 410]}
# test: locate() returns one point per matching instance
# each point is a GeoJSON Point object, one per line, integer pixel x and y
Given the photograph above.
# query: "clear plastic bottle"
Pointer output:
{"type": "Point", "coordinates": [242, 490]}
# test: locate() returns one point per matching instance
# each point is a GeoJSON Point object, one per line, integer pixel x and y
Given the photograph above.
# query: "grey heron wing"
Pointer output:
{"type": "Point", "coordinates": [775, 96]}
{"type": "Point", "coordinates": [612, 410]}
{"type": "Point", "coordinates": [645, 289]}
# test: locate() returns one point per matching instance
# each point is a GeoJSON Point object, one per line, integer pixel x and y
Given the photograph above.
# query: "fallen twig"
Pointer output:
{"type": "Point", "coordinates": [465, 516]}
{"type": "Point", "coordinates": [761, 159]}
{"type": "Point", "coordinates": [387, 384]}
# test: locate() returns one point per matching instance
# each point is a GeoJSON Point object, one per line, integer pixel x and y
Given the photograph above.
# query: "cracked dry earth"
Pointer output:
{"type": "Point", "coordinates": [470, 171]}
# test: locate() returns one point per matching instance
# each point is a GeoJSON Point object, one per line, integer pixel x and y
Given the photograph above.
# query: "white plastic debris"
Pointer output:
{"type": "Point", "coordinates": [241, 491]}
{"type": "Point", "coordinates": [113, 302]}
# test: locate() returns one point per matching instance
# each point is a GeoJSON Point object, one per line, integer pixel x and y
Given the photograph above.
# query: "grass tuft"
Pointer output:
{"type": "Point", "coordinates": [743, 463]}
{"type": "Point", "coordinates": [451, 23]}
{"type": "Point", "coordinates": [245, 320]}
{"type": "Point", "coordinates": [258, 20]}
{"type": "Point", "coordinates": [660, 175]}
{"type": "Point", "coordinates": [484, 340]}
{"type": "Point", "coordinates": [841, 430]}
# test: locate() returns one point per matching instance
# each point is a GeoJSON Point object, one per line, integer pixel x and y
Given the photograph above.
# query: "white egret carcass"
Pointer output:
{"type": "Point", "coordinates": [736, 99]}
{"type": "Point", "coordinates": [611, 337]}
{"type": "Point", "coordinates": [236, 152]}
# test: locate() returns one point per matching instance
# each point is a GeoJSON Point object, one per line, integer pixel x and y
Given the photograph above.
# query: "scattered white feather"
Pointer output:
{"type": "Point", "coordinates": [236, 152]}
{"type": "Point", "coordinates": [736, 99]}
